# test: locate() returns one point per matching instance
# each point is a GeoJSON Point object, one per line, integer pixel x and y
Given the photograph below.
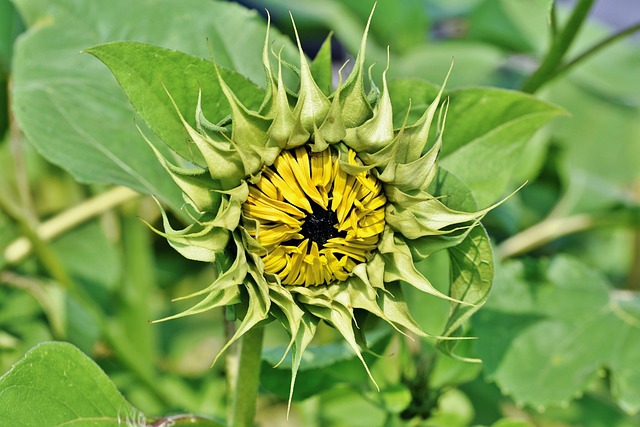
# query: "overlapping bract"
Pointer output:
{"type": "Point", "coordinates": [403, 160]}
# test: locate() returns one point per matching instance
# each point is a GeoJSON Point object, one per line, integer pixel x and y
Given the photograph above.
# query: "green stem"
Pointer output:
{"type": "Point", "coordinates": [633, 281]}
{"type": "Point", "coordinates": [38, 290]}
{"type": "Point", "coordinates": [20, 248]}
{"type": "Point", "coordinates": [248, 378]}
{"type": "Point", "coordinates": [553, 20]}
{"type": "Point", "coordinates": [544, 232]}
{"type": "Point", "coordinates": [36, 240]}
{"type": "Point", "coordinates": [596, 48]}
{"type": "Point", "coordinates": [33, 240]}
{"type": "Point", "coordinates": [558, 48]}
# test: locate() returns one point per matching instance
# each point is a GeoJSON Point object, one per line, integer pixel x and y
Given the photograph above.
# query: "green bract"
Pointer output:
{"type": "Point", "coordinates": [236, 153]}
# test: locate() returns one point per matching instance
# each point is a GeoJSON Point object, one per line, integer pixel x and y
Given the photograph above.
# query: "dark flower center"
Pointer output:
{"type": "Point", "coordinates": [320, 226]}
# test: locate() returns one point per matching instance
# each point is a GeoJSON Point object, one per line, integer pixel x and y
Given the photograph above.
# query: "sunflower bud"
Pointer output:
{"type": "Point", "coordinates": [314, 202]}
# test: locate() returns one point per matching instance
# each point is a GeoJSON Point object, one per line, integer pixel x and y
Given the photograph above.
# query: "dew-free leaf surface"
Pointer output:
{"type": "Point", "coordinates": [55, 385]}
{"type": "Point", "coordinates": [550, 327]}
{"type": "Point", "coordinates": [68, 104]}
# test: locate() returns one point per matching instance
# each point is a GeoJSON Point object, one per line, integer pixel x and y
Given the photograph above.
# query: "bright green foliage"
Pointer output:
{"type": "Point", "coordinates": [558, 335]}
{"type": "Point", "coordinates": [568, 325]}
{"type": "Point", "coordinates": [54, 385]}
{"type": "Point", "coordinates": [74, 113]}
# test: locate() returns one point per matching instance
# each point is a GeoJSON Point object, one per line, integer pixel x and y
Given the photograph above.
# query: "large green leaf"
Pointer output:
{"type": "Point", "coordinates": [54, 385]}
{"type": "Point", "coordinates": [550, 327]}
{"type": "Point", "coordinates": [485, 133]}
{"type": "Point", "coordinates": [149, 74]}
{"type": "Point", "coordinates": [69, 105]}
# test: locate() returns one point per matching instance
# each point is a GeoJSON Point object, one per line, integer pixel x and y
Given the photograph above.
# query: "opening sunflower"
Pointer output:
{"type": "Point", "coordinates": [314, 206]}
{"type": "Point", "coordinates": [315, 221]}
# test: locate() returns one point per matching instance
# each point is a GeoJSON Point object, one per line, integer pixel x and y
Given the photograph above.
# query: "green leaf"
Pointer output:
{"type": "Point", "coordinates": [485, 132]}
{"type": "Point", "coordinates": [10, 27]}
{"type": "Point", "coordinates": [511, 423]}
{"type": "Point", "coordinates": [68, 104]}
{"type": "Point", "coordinates": [54, 385]}
{"type": "Point", "coordinates": [513, 26]}
{"type": "Point", "coordinates": [400, 25]}
{"type": "Point", "coordinates": [21, 322]}
{"type": "Point", "coordinates": [89, 257]}
{"type": "Point", "coordinates": [149, 74]}
{"type": "Point", "coordinates": [322, 367]}
{"type": "Point", "coordinates": [322, 67]}
{"type": "Point", "coordinates": [475, 63]}
{"type": "Point", "coordinates": [550, 327]}
{"type": "Point", "coordinates": [471, 279]}
{"type": "Point", "coordinates": [595, 175]}
{"type": "Point", "coordinates": [454, 410]}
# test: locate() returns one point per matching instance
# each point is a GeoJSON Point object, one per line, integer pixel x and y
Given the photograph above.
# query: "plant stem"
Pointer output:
{"type": "Point", "coordinates": [558, 48]}
{"type": "Point", "coordinates": [48, 258]}
{"type": "Point", "coordinates": [596, 48]}
{"type": "Point", "coordinates": [544, 232]}
{"type": "Point", "coordinates": [20, 248]}
{"type": "Point", "coordinates": [248, 378]}
{"type": "Point", "coordinates": [633, 280]}
{"type": "Point", "coordinates": [38, 290]}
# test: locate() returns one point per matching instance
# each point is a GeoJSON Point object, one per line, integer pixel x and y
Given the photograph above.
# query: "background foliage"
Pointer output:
{"type": "Point", "coordinates": [558, 338]}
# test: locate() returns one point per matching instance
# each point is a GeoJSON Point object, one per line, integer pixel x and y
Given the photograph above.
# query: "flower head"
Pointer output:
{"type": "Point", "coordinates": [313, 207]}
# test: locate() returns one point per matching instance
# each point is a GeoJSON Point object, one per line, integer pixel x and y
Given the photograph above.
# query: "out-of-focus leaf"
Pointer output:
{"type": "Point", "coordinates": [601, 154]}
{"type": "Point", "coordinates": [451, 372]}
{"type": "Point", "coordinates": [68, 104]}
{"type": "Point", "coordinates": [401, 25]}
{"type": "Point", "coordinates": [21, 325]}
{"type": "Point", "coordinates": [10, 26]}
{"type": "Point", "coordinates": [344, 407]}
{"type": "Point", "coordinates": [474, 63]}
{"type": "Point", "coordinates": [591, 410]}
{"type": "Point", "coordinates": [89, 257]}
{"type": "Point", "coordinates": [514, 26]}
{"type": "Point", "coordinates": [596, 75]}
{"type": "Point", "coordinates": [511, 423]}
{"type": "Point", "coordinates": [322, 367]}
{"type": "Point", "coordinates": [453, 410]}
{"type": "Point", "coordinates": [549, 328]}
{"type": "Point", "coordinates": [331, 14]}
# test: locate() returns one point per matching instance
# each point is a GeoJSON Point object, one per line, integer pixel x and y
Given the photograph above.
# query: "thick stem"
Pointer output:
{"type": "Point", "coordinates": [248, 378]}
{"type": "Point", "coordinates": [558, 49]}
